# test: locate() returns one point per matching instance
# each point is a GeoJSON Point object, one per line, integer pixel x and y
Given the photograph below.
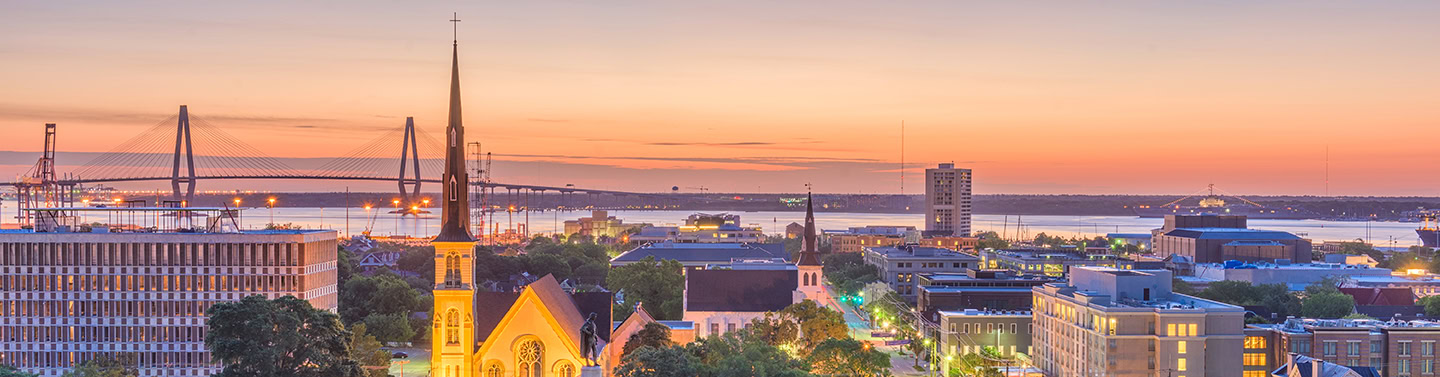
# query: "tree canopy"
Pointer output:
{"type": "Point", "coordinates": [847, 357]}
{"type": "Point", "coordinates": [256, 337]}
{"type": "Point", "coordinates": [368, 353]}
{"type": "Point", "coordinates": [123, 365]}
{"type": "Point", "coordinates": [656, 362]}
{"type": "Point", "coordinates": [658, 285]}
{"type": "Point", "coordinates": [848, 272]}
{"type": "Point", "coordinates": [653, 335]}
{"type": "Point", "coordinates": [817, 323]}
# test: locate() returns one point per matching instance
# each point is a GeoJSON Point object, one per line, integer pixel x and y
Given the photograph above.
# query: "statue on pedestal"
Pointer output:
{"type": "Point", "coordinates": [589, 341]}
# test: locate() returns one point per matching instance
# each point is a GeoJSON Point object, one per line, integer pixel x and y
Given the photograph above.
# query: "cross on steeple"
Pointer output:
{"type": "Point", "coordinates": [455, 20]}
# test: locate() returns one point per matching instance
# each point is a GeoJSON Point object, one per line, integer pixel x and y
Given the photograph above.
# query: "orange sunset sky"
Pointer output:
{"type": "Point", "coordinates": [1037, 97]}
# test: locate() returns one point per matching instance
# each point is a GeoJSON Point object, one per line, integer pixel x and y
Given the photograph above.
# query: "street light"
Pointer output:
{"type": "Point", "coordinates": [271, 204]}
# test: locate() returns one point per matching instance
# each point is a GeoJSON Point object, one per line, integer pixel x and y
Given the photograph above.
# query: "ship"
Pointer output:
{"type": "Point", "coordinates": [1429, 230]}
{"type": "Point", "coordinates": [1215, 204]}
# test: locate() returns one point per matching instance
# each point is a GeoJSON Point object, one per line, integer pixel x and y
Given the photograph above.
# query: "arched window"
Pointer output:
{"type": "Point", "coordinates": [452, 327]}
{"type": "Point", "coordinates": [494, 371]}
{"type": "Point", "coordinates": [567, 370]}
{"type": "Point", "coordinates": [452, 269]}
{"type": "Point", "coordinates": [529, 360]}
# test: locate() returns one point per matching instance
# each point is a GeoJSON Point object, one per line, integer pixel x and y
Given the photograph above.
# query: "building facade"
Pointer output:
{"type": "Point", "coordinates": [600, 224]}
{"type": "Point", "coordinates": [66, 298]}
{"type": "Point", "coordinates": [1052, 263]}
{"type": "Point", "coordinates": [1004, 332]}
{"type": "Point", "coordinates": [1112, 322]}
{"type": "Point", "coordinates": [1215, 239]}
{"type": "Point", "coordinates": [1395, 348]}
{"type": "Point", "coordinates": [947, 201]}
{"type": "Point", "coordinates": [975, 289]}
{"type": "Point", "coordinates": [899, 265]}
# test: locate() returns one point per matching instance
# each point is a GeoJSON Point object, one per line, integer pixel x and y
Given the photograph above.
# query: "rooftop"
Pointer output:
{"type": "Point", "coordinates": [985, 313]}
{"type": "Point", "coordinates": [916, 251]}
{"type": "Point", "coordinates": [1304, 325]}
{"type": "Point", "coordinates": [1052, 254]}
{"type": "Point", "coordinates": [1231, 234]}
{"type": "Point", "coordinates": [703, 252]}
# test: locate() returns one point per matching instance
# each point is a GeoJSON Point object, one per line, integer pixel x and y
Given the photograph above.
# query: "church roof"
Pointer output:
{"type": "Point", "coordinates": [740, 290]}
{"type": "Point", "coordinates": [809, 251]}
{"type": "Point", "coordinates": [569, 310]}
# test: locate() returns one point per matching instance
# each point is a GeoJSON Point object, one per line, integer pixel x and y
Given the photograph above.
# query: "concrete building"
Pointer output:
{"type": "Point", "coordinates": [1214, 239]}
{"type": "Point", "coordinates": [975, 289]}
{"type": "Point", "coordinates": [898, 265]}
{"type": "Point", "coordinates": [1112, 322]}
{"type": "Point", "coordinates": [68, 297]}
{"type": "Point", "coordinates": [947, 201]}
{"type": "Point", "coordinates": [600, 224]}
{"type": "Point", "coordinates": [1007, 332]}
{"type": "Point", "coordinates": [703, 228]}
{"type": "Point", "coordinates": [1052, 263]}
{"type": "Point", "coordinates": [1395, 348]}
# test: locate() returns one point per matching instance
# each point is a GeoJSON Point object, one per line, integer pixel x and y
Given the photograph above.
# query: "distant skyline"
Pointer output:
{"type": "Point", "coordinates": [1122, 97]}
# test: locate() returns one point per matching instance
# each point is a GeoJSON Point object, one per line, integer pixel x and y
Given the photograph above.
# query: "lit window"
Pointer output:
{"type": "Point", "coordinates": [1254, 359]}
{"type": "Point", "coordinates": [1170, 329]}
{"type": "Point", "coordinates": [1194, 330]}
{"type": "Point", "coordinates": [1255, 342]}
{"type": "Point", "coordinates": [1180, 364]}
{"type": "Point", "coordinates": [1180, 347]}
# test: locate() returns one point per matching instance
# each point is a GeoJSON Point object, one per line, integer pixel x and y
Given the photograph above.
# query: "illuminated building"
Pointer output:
{"type": "Point", "coordinates": [73, 291]}
{"type": "Point", "coordinates": [1112, 322]}
{"type": "Point", "coordinates": [1007, 332]}
{"type": "Point", "coordinates": [947, 201]}
{"type": "Point", "coordinates": [1052, 263]}
{"type": "Point", "coordinates": [1214, 239]}
{"type": "Point", "coordinates": [1395, 348]}
{"type": "Point", "coordinates": [599, 224]}
{"type": "Point", "coordinates": [703, 228]}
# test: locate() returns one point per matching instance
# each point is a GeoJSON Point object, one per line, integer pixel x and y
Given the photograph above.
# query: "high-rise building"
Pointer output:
{"type": "Point", "coordinates": [947, 201]}
{"type": "Point", "coordinates": [74, 293]}
{"type": "Point", "coordinates": [1113, 322]}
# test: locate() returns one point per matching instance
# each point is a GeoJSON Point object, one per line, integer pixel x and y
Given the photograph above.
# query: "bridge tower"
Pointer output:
{"type": "Point", "coordinates": [182, 139]}
{"type": "Point", "coordinates": [407, 145]}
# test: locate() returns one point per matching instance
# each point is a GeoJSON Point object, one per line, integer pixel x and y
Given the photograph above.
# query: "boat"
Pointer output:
{"type": "Point", "coordinates": [1429, 230]}
{"type": "Point", "coordinates": [1214, 204]}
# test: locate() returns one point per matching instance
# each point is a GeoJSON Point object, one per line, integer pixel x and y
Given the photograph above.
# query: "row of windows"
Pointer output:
{"type": "Point", "coordinates": [103, 308]}
{"type": "Point", "coordinates": [990, 328]}
{"type": "Point", "coordinates": [58, 359]}
{"type": "Point", "coordinates": [150, 254]}
{"type": "Point", "coordinates": [149, 283]}
{"type": "Point", "coordinates": [29, 335]}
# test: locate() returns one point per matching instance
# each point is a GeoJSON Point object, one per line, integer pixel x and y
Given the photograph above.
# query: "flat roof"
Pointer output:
{"type": "Point", "coordinates": [945, 289]}
{"type": "Point", "coordinates": [257, 231]}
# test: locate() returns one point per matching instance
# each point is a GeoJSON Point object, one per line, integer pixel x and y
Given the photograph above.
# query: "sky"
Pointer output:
{"type": "Point", "coordinates": [1133, 97]}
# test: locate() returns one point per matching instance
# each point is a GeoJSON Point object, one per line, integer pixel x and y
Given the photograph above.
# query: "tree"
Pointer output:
{"type": "Point", "coordinates": [256, 337]}
{"type": "Point", "coordinates": [547, 264]}
{"type": "Point", "coordinates": [368, 353]}
{"type": "Point", "coordinates": [1182, 287]}
{"type": "Point", "coordinates": [990, 240]}
{"type": "Point", "coordinates": [1327, 305]}
{"type": "Point", "coordinates": [817, 323]}
{"type": "Point", "coordinates": [733, 355]}
{"type": "Point", "coordinates": [390, 327]}
{"type": "Point", "coordinates": [656, 362]}
{"type": "Point", "coordinates": [105, 366]}
{"type": "Point", "coordinates": [384, 293]}
{"type": "Point", "coordinates": [1431, 304]}
{"type": "Point", "coordinates": [848, 272]}
{"type": "Point", "coordinates": [653, 335]}
{"type": "Point", "coordinates": [772, 329]}
{"type": "Point", "coordinates": [659, 285]}
{"type": "Point", "coordinates": [9, 371]}
{"type": "Point", "coordinates": [847, 357]}
{"type": "Point", "coordinates": [344, 265]}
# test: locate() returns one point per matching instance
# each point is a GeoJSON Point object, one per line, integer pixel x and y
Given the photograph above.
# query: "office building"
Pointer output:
{"type": "Point", "coordinates": [947, 201]}
{"type": "Point", "coordinates": [1052, 263]}
{"type": "Point", "coordinates": [1113, 322]}
{"type": "Point", "coordinates": [1395, 348]}
{"type": "Point", "coordinates": [1005, 332]}
{"type": "Point", "coordinates": [1294, 275]}
{"type": "Point", "coordinates": [951, 242]}
{"type": "Point", "coordinates": [703, 228]}
{"type": "Point", "coordinates": [898, 265]}
{"type": "Point", "coordinates": [1215, 239]}
{"type": "Point", "coordinates": [975, 289]}
{"type": "Point", "coordinates": [600, 225]}
{"type": "Point", "coordinates": [73, 292]}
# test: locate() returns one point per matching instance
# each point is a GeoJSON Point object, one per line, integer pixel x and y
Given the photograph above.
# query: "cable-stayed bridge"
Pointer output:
{"type": "Point", "coordinates": [186, 149]}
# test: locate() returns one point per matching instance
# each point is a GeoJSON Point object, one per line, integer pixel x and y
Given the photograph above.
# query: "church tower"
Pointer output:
{"type": "Point", "coordinates": [811, 277]}
{"type": "Point", "coordinates": [453, 334]}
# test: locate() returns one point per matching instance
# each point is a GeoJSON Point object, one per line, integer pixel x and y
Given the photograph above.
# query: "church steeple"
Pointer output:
{"type": "Point", "coordinates": [455, 218]}
{"type": "Point", "coordinates": [809, 252]}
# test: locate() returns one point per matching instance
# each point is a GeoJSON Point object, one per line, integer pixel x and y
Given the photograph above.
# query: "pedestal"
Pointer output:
{"type": "Point", "coordinates": [593, 371]}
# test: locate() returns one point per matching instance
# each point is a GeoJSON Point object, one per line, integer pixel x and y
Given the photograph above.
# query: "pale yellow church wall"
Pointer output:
{"type": "Point", "coordinates": [527, 323]}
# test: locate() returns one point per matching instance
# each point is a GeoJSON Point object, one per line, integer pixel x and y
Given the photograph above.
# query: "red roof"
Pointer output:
{"type": "Point", "coordinates": [1381, 296]}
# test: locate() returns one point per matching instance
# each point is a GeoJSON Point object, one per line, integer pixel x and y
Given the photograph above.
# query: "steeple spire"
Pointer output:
{"type": "Point", "coordinates": [809, 252]}
{"type": "Point", "coordinates": [455, 219]}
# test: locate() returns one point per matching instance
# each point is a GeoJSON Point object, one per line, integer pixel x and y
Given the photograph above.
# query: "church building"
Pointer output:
{"type": "Point", "coordinates": [538, 331]}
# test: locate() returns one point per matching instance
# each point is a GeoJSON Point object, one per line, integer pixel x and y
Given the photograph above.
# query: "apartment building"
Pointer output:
{"type": "Point", "coordinates": [947, 201]}
{"type": "Point", "coordinates": [69, 296]}
{"type": "Point", "coordinates": [1112, 322]}
{"type": "Point", "coordinates": [1395, 348]}
{"type": "Point", "coordinates": [1005, 332]}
